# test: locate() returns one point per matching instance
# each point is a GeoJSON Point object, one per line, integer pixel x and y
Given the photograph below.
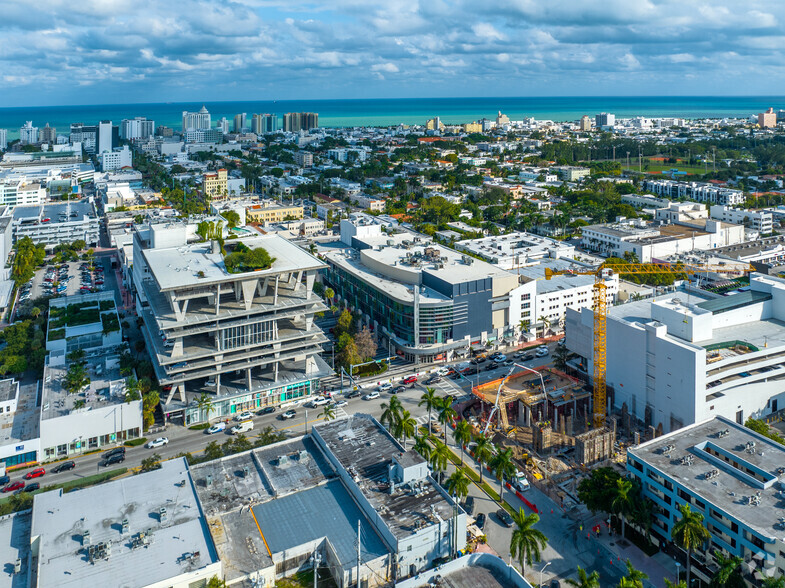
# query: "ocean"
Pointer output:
{"type": "Point", "coordinates": [385, 112]}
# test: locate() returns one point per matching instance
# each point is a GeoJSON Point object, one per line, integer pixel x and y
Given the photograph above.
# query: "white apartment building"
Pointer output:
{"type": "Point", "coordinates": [28, 134]}
{"type": "Point", "coordinates": [695, 191]}
{"type": "Point", "coordinates": [3, 139]}
{"type": "Point", "coordinates": [758, 220]}
{"type": "Point", "coordinates": [684, 358]}
{"type": "Point", "coordinates": [532, 174]}
{"type": "Point", "coordinates": [351, 189]}
{"type": "Point", "coordinates": [516, 249]}
{"type": "Point", "coordinates": [137, 128]}
{"type": "Point", "coordinates": [21, 192]}
{"type": "Point", "coordinates": [117, 159]}
{"type": "Point", "coordinates": [104, 136]}
{"type": "Point", "coordinates": [645, 201]}
{"type": "Point", "coordinates": [344, 154]}
{"type": "Point", "coordinates": [196, 120]}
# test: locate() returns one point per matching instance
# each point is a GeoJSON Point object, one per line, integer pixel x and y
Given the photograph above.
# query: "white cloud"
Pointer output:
{"type": "Point", "coordinates": [488, 32]}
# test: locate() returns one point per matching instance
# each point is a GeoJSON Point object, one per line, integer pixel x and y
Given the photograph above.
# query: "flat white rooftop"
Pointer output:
{"type": "Point", "coordinates": [60, 520]}
{"type": "Point", "coordinates": [179, 267]}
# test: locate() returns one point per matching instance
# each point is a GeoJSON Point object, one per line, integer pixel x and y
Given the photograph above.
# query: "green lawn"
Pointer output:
{"type": "Point", "coordinates": [660, 166]}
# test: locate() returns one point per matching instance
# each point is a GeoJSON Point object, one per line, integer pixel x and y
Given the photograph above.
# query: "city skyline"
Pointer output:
{"type": "Point", "coordinates": [127, 52]}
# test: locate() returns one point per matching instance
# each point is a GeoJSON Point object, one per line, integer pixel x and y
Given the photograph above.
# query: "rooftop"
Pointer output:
{"type": "Point", "coordinates": [177, 267]}
{"type": "Point", "coordinates": [23, 423]}
{"type": "Point", "coordinates": [164, 527]}
{"type": "Point", "coordinates": [15, 544]}
{"type": "Point", "coordinates": [749, 465]}
{"type": "Point", "coordinates": [365, 449]}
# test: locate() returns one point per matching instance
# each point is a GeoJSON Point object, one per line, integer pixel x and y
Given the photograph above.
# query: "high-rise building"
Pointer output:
{"type": "Point", "coordinates": [137, 128]}
{"type": "Point", "coordinates": [86, 135]}
{"type": "Point", "coordinates": [4, 139]}
{"type": "Point", "coordinates": [300, 121]}
{"type": "Point", "coordinates": [105, 136]}
{"type": "Point", "coordinates": [239, 122]}
{"type": "Point", "coordinates": [767, 119]}
{"type": "Point", "coordinates": [223, 125]}
{"type": "Point", "coordinates": [28, 134]}
{"type": "Point", "coordinates": [502, 119]}
{"type": "Point", "coordinates": [163, 131]}
{"type": "Point", "coordinates": [605, 119]}
{"type": "Point", "coordinates": [585, 124]}
{"type": "Point", "coordinates": [270, 123]}
{"type": "Point", "coordinates": [434, 124]}
{"type": "Point", "coordinates": [256, 124]}
{"type": "Point", "coordinates": [48, 135]}
{"type": "Point", "coordinates": [196, 120]}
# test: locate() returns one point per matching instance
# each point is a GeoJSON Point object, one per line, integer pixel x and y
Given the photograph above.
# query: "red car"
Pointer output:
{"type": "Point", "coordinates": [36, 473]}
{"type": "Point", "coordinates": [410, 379]}
{"type": "Point", "coordinates": [14, 486]}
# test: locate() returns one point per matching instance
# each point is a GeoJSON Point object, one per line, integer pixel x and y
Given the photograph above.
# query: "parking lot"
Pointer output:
{"type": "Point", "coordinates": [66, 279]}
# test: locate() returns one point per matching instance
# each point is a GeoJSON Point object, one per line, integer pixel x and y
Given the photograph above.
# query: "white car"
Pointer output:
{"type": "Point", "coordinates": [216, 428]}
{"type": "Point", "coordinates": [246, 415]}
{"type": "Point", "coordinates": [542, 352]}
{"type": "Point", "coordinates": [386, 387]}
{"type": "Point", "coordinates": [319, 401]}
{"type": "Point", "coordinates": [340, 403]}
{"type": "Point", "coordinates": [443, 371]}
{"type": "Point", "coordinates": [160, 442]}
{"type": "Point", "coordinates": [371, 395]}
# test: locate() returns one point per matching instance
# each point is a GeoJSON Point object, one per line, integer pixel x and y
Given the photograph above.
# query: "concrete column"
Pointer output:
{"type": "Point", "coordinates": [275, 292]}
{"type": "Point", "coordinates": [310, 277]}
{"type": "Point", "coordinates": [275, 372]}
{"type": "Point", "coordinates": [217, 299]}
{"type": "Point", "coordinates": [248, 380]}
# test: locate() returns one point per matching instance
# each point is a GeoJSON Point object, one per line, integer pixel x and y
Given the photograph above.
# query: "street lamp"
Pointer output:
{"type": "Point", "coordinates": [542, 570]}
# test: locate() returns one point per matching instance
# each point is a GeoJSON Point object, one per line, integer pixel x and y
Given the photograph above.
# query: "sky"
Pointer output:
{"type": "Point", "coordinates": [124, 51]}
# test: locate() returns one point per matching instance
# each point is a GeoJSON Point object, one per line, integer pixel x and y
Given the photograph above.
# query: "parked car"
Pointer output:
{"type": "Point", "coordinates": [266, 410]}
{"type": "Point", "coordinates": [64, 467]}
{"type": "Point", "coordinates": [371, 395]}
{"type": "Point", "coordinates": [504, 517]}
{"type": "Point", "coordinates": [216, 428]}
{"type": "Point", "coordinates": [36, 473]}
{"type": "Point", "coordinates": [32, 487]}
{"type": "Point", "coordinates": [242, 427]}
{"type": "Point", "coordinates": [159, 442]}
{"type": "Point", "coordinates": [399, 389]}
{"type": "Point", "coordinates": [409, 380]}
{"type": "Point", "coordinates": [289, 414]}
{"type": "Point", "coordinates": [468, 505]}
{"type": "Point", "coordinates": [14, 486]}
{"type": "Point", "coordinates": [243, 416]}
{"type": "Point", "coordinates": [480, 521]}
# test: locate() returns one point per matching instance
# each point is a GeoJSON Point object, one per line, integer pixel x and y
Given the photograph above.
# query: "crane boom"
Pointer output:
{"type": "Point", "coordinates": [600, 309]}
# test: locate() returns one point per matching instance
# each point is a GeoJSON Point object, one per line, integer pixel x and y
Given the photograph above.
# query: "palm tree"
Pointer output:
{"type": "Point", "coordinates": [482, 451]}
{"type": "Point", "coordinates": [621, 504]}
{"type": "Point", "coordinates": [328, 413]}
{"type": "Point", "coordinates": [462, 435]}
{"type": "Point", "coordinates": [526, 541]}
{"type": "Point", "coordinates": [680, 584]}
{"type": "Point", "coordinates": [458, 484]}
{"type": "Point", "coordinates": [422, 447]}
{"type": "Point", "coordinates": [633, 579]}
{"type": "Point", "coordinates": [391, 413]}
{"type": "Point", "coordinates": [502, 467]}
{"type": "Point", "coordinates": [446, 414]}
{"type": "Point", "coordinates": [440, 455]}
{"type": "Point", "coordinates": [35, 311]}
{"type": "Point", "coordinates": [329, 294]}
{"type": "Point", "coordinates": [406, 426]}
{"type": "Point", "coordinates": [431, 401]}
{"type": "Point", "coordinates": [205, 404]}
{"type": "Point", "coordinates": [729, 575]}
{"type": "Point", "coordinates": [546, 323]}
{"type": "Point", "coordinates": [585, 580]}
{"type": "Point", "coordinates": [778, 582]}
{"type": "Point", "coordinates": [688, 533]}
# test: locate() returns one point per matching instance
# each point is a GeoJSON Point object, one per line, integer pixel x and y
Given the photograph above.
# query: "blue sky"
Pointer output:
{"type": "Point", "coordinates": [124, 51]}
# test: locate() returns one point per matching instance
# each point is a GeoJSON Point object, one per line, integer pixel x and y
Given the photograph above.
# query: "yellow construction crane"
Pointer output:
{"type": "Point", "coordinates": [600, 308]}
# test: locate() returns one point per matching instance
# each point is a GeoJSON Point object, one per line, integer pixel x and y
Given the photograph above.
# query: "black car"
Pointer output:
{"type": "Point", "coordinates": [528, 357]}
{"type": "Point", "coordinates": [468, 505]}
{"type": "Point", "coordinates": [491, 366]}
{"type": "Point", "coordinates": [4, 480]}
{"type": "Point", "coordinates": [352, 394]}
{"type": "Point", "coordinates": [504, 517]}
{"type": "Point", "coordinates": [266, 410]}
{"type": "Point", "coordinates": [398, 390]}
{"type": "Point", "coordinates": [480, 521]}
{"type": "Point", "coordinates": [113, 459]}
{"type": "Point", "coordinates": [63, 467]}
{"type": "Point", "coordinates": [32, 487]}
{"type": "Point", "coordinates": [433, 379]}
{"type": "Point", "coordinates": [116, 451]}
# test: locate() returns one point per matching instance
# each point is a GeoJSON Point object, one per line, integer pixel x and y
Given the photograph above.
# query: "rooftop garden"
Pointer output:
{"type": "Point", "coordinates": [243, 259]}
{"type": "Point", "coordinates": [82, 313]}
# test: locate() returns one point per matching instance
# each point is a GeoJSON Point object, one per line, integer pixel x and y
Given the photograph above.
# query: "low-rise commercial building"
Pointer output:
{"type": "Point", "coordinates": [270, 211]}
{"type": "Point", "coordinates": [730, 475]}
{"type": "Point", "coordinates": [758, 220]}
{"type": "Point", "coordinates": [248, 337]}
{"type": "Point", "coordinates": [53, 224]}
{"type": "Point", "coordinates": [516, 249]}
{"type": "Point", "coordinates": [569, 173]}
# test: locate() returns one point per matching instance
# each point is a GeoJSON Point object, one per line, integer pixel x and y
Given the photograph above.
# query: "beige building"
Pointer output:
{"type": "Point", "coordinates": [767, 119]}
{"type": "Point", "coordinates": [585, 124]}
{"type": "Point", "coordinates": [473, 127]}
{"type": "Point", "coordinates": [304, 158]}
{"type": "Point", "coordinates": [269, 211]}
{"type": "Point", "coordinates": [215, 185]}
